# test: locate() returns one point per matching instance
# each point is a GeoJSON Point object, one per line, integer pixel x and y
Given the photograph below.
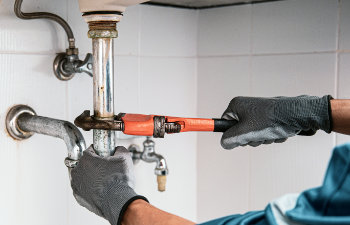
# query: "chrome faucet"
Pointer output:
{"type": "Point", "coordinates": [150, 156]}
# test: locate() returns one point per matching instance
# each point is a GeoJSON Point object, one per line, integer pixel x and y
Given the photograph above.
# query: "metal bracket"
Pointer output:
{"type": "Point", "coordinates": [67, 64]}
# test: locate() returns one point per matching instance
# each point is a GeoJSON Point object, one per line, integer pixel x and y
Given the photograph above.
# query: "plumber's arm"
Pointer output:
{"type": "Point", "coordinates": [341, 115]}
{"type": "Point", "coordinates": [141, 212]}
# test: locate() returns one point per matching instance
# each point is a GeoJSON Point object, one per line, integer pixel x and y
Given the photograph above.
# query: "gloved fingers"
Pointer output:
{"type": "Point", "coordinates": [128, 165]}
{"type": "Point", "coordinates": [229, 138]}
{"type": "Point", "coordinates": [231, 110]}
{"type": "Point", "coordinates": [229, 115]}
{"type": "Point", "coordinates": [236, 136]}
{"type": "Point", "coordinates": [255, 144]}
{"type": "Point", "coordinates": [267, 142]}
{"type": "Point", "coordinates": [120, 149]}
{"type": "Point", "coordinates": [281, 140]}
{"type": "Point", "coordinates": [123, 154]}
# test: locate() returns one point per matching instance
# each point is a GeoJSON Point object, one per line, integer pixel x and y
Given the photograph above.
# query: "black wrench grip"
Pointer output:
{"type": "Point", "coordinates": [222, 125]}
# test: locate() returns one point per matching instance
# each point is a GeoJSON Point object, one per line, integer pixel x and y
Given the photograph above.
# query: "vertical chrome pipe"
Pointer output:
{"type": "Point", "coordinates": [103, 79]}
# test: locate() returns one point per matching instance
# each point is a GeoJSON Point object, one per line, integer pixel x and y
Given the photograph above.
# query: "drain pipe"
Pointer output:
{"type": "Point", "coordinates": [22, 122]}
{"type": "Point", "coordinates": [102, 31]}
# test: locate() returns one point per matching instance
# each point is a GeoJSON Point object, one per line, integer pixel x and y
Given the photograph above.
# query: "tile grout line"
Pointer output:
{"type": "Point", "coordinates": [250, 93]}
{"type": "Point", "coordinates": [139, 60]}
{"type": "Point", "coordinates": [197, 112]}
{"type": "Point", "coordinates": [337, 59]}
{"type": "Point", "coordinates": [276, 54]}
{"type": "Point", "coordinates": [188, 57]}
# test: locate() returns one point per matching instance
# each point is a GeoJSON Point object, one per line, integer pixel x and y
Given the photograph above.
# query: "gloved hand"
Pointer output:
{"type": "Point", "coordinates": [268, 120]}
{"type": "Point", "coordinates": [103, 185]}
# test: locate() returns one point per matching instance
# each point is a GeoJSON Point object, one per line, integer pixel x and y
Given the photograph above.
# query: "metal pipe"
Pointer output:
{"type": "Point", "coordinates": [55, 128]}
{"type": "Point", "coordinates": [45, 15]}
{"type": "Point", "coordinates": [22, 122]}
{"type": "Point", "coordinates": [103, 81]}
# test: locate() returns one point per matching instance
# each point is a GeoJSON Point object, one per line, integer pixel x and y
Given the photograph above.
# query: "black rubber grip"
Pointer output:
{"type": "Point", "coordinates": [221, 125]}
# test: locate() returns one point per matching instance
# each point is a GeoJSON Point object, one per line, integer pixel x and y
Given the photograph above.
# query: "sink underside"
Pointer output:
{"type": "Point", "coordinates": [202, 4]}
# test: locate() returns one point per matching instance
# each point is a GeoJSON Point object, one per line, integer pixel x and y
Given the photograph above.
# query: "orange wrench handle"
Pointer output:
{"type": "Point", "coordinates": [192, 124]}
{"type": "Point", "coordinates": [144, 125]}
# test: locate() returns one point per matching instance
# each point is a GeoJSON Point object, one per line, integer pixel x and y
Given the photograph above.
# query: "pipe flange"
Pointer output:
{"type": "Point", "coordinates": [93, 17]}
{"type": "Point", "coordinates": [11, 121]}
{"type": "Point", "coordinates": [58, 69]}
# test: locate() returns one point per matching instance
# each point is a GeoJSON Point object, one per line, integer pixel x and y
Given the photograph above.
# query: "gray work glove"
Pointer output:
{"type": "Point", "coordinates": [268, 120]}
{"type": "Point", "coordinates": [103, 185]}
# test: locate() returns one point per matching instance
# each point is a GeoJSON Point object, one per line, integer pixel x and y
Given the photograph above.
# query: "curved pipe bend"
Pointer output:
{"type": "Point", "coordinates": [22, 122]}
{"type": "Point", "coordinates": [161, 165]}
{"type": "Point", "coordinates": [149, 155]}
{"type": "Point", "coordinates": [45, 15]}
{"type": "Point", "coordinates": [55, 128]}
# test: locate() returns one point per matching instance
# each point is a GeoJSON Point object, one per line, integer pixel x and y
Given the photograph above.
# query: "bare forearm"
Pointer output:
{"type": "Point", "coordinates": [341, 115]}
{"type": "Point", "coordinates": [142, 213]}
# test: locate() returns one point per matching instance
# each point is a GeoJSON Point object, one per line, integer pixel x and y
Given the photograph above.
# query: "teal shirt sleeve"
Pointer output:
{"type": "Point", "coordinates": [325, 205]}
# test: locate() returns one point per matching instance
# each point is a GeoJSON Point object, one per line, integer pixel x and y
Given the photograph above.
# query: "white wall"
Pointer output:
{"type": "Point", "coordinates": [285, 48]}
{"type": "Point", "coordinates": [155, 73]}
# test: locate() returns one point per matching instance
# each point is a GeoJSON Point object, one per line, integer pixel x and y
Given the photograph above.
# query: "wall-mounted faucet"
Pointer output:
{"type": "Point", "coordinates": [150, 156]}
{"type": "Point", "coordinates": [22, 122]}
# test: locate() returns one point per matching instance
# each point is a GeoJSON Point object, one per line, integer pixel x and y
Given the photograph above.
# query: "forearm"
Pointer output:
{"type": "Point", "coordinates": [341, 115]}
{"type": "Point", "coordinates": [140, 212]}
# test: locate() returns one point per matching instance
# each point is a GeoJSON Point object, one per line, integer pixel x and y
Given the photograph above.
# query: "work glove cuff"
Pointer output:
{"type": "Point", "coordinates": [320, 108]}
{"type": "Point", "coordinates": [122, 197]}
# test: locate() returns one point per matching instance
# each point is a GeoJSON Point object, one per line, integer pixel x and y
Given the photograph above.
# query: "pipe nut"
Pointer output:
{"type": "Point", "coordinates": [103, 34]}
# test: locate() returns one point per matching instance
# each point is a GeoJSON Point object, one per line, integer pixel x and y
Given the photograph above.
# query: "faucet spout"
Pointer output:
{"type": "Point", "coordinates": [150, 156]}
{"type": "Point", "coordinates": [22, 122]}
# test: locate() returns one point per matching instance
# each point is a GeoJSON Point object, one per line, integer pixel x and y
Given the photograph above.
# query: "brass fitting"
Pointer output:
{"type": "Point", "coordinates": [103, 29]}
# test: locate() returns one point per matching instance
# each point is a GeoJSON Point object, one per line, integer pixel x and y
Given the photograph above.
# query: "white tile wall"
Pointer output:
{"type": "Point", "coordinates": [168, 86]}
{"type": "Point", "coordinates": [168, 32]}
{"type": "Point", "coordinates": [224, 31]}
{"type": "Point", "coordinates": [33, 170]}
{"type": "Point", "coordinates": [295, 26]}
{"type": "Point", "coordinates": [344, 41]}
{"type": "Point", "coordinates": [35, 36]}
{"type": "Point", "coordinates": [291, 75]}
